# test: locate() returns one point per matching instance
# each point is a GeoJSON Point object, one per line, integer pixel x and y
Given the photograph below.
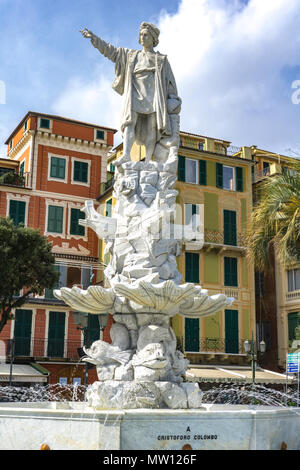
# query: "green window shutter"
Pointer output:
{"type": "Point", "coordinates": [230, 272]}
{"type": "Point", "coordinates": [55, 219]}
{"type": "Point", "coordinates": [181, 168]}
{"type": "Point", "coordinates": [230, 228]}
{"type": "Point", "coordinates": [192, 334]}
{"type": "Point", "coordinates": [22, 332]}
{"type": "Point", "coordinates": [80, 172]}
{"type": "Point", "coordinates": [93, 329]}
{"type": "Point", "coordinates": [231, 331]}
{"type": "Point", "coordinates": [58, 168]}
{"type": "Point", "coordinates": [22, 168]}
{"type": "Point", "coordinates": [192, 267]}
{"type": "Point", "coordinates": [56, 334]}
{"type": "Point", "coordinates": [45, 123]}
{"type": "Point", "coordinates": [100, 135]}
{"type": "Point", "coordinates": [17, 211]}
{"type": "Point", "coordinates": [75, 228]}
{"type": "Point", "coordinates": [202, 172]}
{"type": "Point", "coordinates": [239, 179]}
{"type": "Point", "coordinates": [219, 175]}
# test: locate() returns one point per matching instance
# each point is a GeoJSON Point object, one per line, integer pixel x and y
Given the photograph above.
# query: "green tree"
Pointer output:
{"type": "Point", "coordinates": [276, 220]}
{"type": "Point", "coordinates": [26, 261]}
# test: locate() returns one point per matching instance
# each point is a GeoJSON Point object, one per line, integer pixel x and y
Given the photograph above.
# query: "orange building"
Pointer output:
{"type": "Point", "coordinates": [57, 164]}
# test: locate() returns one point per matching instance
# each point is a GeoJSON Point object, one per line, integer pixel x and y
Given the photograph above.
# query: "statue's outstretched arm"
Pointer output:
{"type": "Point", "coordinates": [105, 48]}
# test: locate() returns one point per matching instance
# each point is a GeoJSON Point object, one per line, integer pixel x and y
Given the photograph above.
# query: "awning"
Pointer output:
{"type": "Point", "coordinates": [234, 375]}
{"type": "Point", "coordinates": [22, 373]}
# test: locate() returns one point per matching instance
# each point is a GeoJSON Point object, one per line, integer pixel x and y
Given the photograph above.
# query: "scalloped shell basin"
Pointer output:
{"type": "Point", "coordinates": [166, 298]}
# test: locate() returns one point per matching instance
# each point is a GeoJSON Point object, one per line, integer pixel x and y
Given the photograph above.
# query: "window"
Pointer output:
{"type": "Point", "coordinates": [191, 171]}
{"type": "Point", "coordinates": [228, 178]}
{"type": "Point", "coordinates": [192, 267]}
{"type": "Point", "coordinates": [45, 123]}
{"type": "Point", "coordinates": [230, 272]}
{"type": "Point", "coordinates": [22, 168]}
{"type": "Point", "coordinates": [192, 215]}
{"type": "Point", "coordinates": [108, 208]}
{"type": "Point", "coordinates": [80, 173]}
{"type": "Point", "coordinates": [10, 144]}
{"type": "Point", "coordinates": [100, 135]}
{"type": "Point", "coordinates": [56, 334]}
{"type": "Point", "coordinates": [61, 282]}
{"type": "Point", "coordinates": [57, 168]}
{"type": "Point", "coordinates": [17, 211]}
{"type": "Point", "coordinates": [200, 145]}
{"type": "Point", "coordinates": [22, 332]}
{"type": "Point", "coordinates": [294, 329]}
{"type": "Point", "coordinates": [293, 280]}
{"type": "Point", "coordinates": [230, 228]}
{"type": "Point", "coordinates": [232, 331]}
{"type": "Point", "coordinates": [55, 219]}
{"type": "Point", "coordinates": [25, 125]}
{"type": "Point", "coordinates": [93, 330]}
{"type": "Point", "coordinates": [75, 228]}
{"type": "Point", "coordinates": [266, 169]}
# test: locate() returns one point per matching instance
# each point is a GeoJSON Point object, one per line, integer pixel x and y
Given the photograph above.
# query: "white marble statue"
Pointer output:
{"type": "Point", "coordinates": [151, 101]}
{"type": "Point", "coordinates": [143, 288]}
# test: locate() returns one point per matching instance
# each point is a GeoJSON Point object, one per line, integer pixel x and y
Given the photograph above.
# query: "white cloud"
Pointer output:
{"type": "Point", "coordinates": [91, 99]}
{"type": "Point", "coordinates": [228, 58]}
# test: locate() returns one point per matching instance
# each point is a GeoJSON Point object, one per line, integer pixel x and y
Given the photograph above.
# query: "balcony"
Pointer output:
{"type": "Point", "coordinates": [221, 345]}
{"type": "Point", "coordinates": [218, 240]}
{"type": "Point", "coordinates": [259, 175]}
{"type": "Point", "coordinates": [106, 186]}
{"type": "Point", "coordinates": [14, 179]}
{"type": "Point", "coordinates": [45, 348]}
{"type": "Point", "coordinates": [293, 296]}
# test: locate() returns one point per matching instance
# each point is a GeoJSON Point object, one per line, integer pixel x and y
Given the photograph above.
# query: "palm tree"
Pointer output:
{"type": "Point", "coordinates": [276, 220]}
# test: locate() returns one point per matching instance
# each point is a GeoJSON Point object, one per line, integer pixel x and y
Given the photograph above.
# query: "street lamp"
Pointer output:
{"type": "Point", "coordinates": [249, 347]}
{"type": "Point", "coordinates": [81, 319]}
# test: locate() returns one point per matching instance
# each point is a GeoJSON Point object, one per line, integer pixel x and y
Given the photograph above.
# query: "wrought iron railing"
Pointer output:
{"type": "Point", "coordinates": [43, 347]}
{"type": "Point", "coordinates": [219, 238]}
{"type": "Point", "coordinates": [218, 345]}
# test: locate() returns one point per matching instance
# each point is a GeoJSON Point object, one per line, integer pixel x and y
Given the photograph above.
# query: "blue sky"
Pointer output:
{"type": "Point", "coordinates": [234, 62]}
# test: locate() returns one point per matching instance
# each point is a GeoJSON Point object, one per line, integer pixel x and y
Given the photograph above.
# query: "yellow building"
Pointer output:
{"type": "Point", "coordinates": [277, 293]}
{"type": "Point", "coordinates": [216, 182]}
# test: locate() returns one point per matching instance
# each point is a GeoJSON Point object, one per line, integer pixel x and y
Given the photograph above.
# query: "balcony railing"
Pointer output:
{"type": "Point", "coordinates": [219, 238]}
{"type": "Point", "coordinates": [260, 175]}
{"type": "Point", "coordinates": [106, 186]}
{"type": "Point", "coordinates": [16, 179]}
{"type": "Point", "coordinates": [43, 347]}
{"type": "Point", "coordinates": [219, 345]}
{"type": "Point", "coordinates": [295, 295]}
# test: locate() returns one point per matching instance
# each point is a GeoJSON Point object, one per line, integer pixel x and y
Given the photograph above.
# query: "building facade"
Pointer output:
{"type": "Point", "coordinates": [59, 163]}
{"type": "Point", "coordinates": [277, 291]}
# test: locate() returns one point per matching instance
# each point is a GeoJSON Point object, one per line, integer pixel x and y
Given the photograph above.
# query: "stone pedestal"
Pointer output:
{"type": "Point", "coordinates": [113, 394]}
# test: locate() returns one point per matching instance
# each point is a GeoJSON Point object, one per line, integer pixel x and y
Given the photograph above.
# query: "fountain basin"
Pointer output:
{"type": "Point", "coordinates": [74, 426]}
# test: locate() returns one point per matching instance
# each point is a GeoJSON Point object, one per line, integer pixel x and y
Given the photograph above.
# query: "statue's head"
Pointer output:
{"type": "Point", "coordinates": [148, 32]}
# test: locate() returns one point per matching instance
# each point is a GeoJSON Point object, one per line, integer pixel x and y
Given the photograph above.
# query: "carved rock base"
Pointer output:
{"type": "Point", "coordinates": [114, 394]}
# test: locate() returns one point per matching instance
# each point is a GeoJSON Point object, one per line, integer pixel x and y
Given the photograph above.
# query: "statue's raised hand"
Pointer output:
{"type": "Point", "coordinates": [86, 33]}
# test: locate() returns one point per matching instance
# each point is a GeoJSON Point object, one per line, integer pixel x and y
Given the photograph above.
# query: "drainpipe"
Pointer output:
{"type": "Point", "coordinates": [32, 151]}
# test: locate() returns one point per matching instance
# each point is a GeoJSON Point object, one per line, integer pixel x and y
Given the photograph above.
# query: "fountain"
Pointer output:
{"type": "Point", "coordinates": [140, 400]}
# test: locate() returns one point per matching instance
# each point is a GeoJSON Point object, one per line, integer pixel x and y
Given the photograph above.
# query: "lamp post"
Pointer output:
{"type": "Point", "coordinates": [81, 319]}
{"type": "Point", "coordinates": [249, 347]}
